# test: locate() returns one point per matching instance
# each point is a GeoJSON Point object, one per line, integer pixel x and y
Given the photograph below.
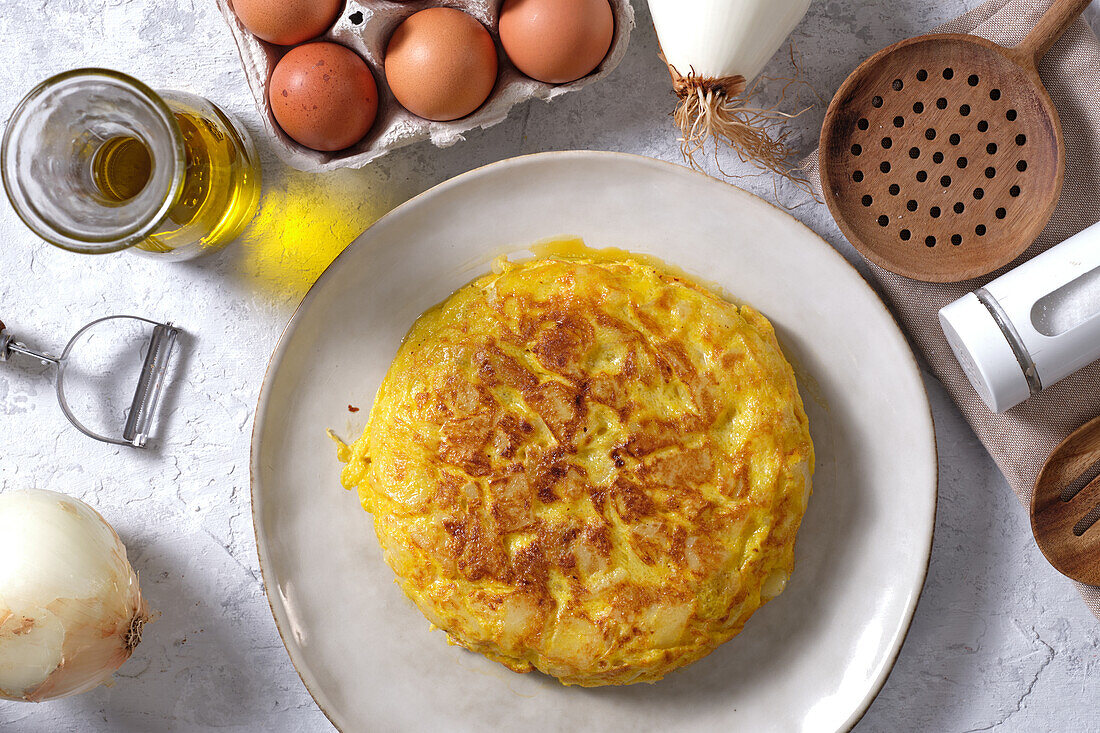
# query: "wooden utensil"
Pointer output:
{"type": "Point", "coordinates": [1066, 505]}
{"type": "Point", "coordinates": [942, 157]}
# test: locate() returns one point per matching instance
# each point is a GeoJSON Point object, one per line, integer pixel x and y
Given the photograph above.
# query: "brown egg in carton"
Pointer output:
{"type": "Point", "coordinates": [365, 26]}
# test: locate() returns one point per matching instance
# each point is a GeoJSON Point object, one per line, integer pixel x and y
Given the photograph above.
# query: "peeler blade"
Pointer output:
{"type": "Point", "coordinates": [150, 385]}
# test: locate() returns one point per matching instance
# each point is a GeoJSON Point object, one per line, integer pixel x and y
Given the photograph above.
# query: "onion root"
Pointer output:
{"type": "Point", "coordinates": [721, 109]}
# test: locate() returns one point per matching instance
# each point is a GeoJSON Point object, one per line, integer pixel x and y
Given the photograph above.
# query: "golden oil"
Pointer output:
{"type": "Point", "coordinates": [221, 179]}
{"type": "Point", "coordinates": [121, 168]}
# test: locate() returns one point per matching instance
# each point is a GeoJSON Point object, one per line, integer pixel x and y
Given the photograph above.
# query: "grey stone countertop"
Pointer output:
{"type": "Point", "coordinates": [1000, 640]}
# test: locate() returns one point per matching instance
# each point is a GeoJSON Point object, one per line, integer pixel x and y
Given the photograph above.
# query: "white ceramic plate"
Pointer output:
{"type": "Point", "coordinates": [811, 660]}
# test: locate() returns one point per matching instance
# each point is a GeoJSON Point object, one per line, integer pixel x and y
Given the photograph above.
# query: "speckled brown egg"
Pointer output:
{"type": "Point", "coordinates": [441, 64]}
{"type": "Point", "coordinates": [556, 41]}
{"type": "Point", "coordinates": [287, 22]}
{"type": "Point", "coordinates": [323, 95]}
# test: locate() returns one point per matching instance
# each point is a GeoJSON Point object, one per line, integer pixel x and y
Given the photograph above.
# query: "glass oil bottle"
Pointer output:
{"type": "Point", "coordinates": [94, 161]}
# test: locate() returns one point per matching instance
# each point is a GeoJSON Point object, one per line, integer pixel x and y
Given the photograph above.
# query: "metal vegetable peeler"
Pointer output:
{"type": "Point", "coordinates": [150, 385]}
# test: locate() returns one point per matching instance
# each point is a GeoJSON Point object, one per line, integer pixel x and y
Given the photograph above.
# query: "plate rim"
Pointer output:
{"type": "Point", "coordinates": [279, 353]}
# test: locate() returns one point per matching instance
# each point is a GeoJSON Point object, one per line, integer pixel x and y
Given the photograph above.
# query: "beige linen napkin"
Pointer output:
{"type": "Point", "coordinates": [1021, 439]}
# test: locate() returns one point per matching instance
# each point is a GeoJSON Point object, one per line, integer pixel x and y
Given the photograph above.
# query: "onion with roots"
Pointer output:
{"type": "Point", "coordinates": [71, 611]}
{"type": "Point", "coordinates": [715, 50]}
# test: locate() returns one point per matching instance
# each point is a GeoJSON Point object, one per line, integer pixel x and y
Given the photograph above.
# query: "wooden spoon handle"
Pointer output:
{"type": "Point", "coordinates": [1049, 29]}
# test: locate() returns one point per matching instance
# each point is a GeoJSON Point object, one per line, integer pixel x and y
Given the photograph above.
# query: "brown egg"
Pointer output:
{"type": "Point", "coordinates": [556, 41]}
{"type": "Point", "coordinates": [323, 95]}
{"type": "Point", "coordinates": [287, 22]}
{"type": "Point", "coordinates": [441, 64]}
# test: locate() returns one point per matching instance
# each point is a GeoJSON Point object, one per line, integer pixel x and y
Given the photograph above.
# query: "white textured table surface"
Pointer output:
{"type": "Point", "coordinates": [1000, 640]}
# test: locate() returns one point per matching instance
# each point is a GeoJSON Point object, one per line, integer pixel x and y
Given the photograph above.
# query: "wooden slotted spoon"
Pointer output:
{"type": "Point", "coordinates": [1066, 506]}
{"type": "Point", "coordinates": [942, 157]}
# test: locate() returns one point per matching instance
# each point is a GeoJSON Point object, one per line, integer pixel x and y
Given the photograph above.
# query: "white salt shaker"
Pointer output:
{"type": "Point", "coordinates": [1032, 327]}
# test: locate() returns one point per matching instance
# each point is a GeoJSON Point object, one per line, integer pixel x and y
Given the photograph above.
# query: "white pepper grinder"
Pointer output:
{"type": "Point", "coordinates": [1032, 327]}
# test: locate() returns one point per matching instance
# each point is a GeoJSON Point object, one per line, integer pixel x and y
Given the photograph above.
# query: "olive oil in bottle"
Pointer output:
{"type": "Point", "coordinates": [166, 173]}
{"type": "Point", "coordinates": [220, 186]}
{"type": "Point", "coordinates": [121, 168]}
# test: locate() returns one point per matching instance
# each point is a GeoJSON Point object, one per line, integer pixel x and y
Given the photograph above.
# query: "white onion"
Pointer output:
{"type": "Point", "coordinates": [71, 610]}
{"type": "Point", "coordinates": [715, 49]}
{"type": "Point", "coordinates": [724, 38]}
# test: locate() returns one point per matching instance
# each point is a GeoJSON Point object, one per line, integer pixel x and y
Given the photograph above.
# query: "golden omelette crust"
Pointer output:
{"type": "Point", "coordinates": [592, 468]}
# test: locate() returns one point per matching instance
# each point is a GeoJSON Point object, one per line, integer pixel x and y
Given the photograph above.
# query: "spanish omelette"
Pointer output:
{"type": "Point", "coordinates": [588, 466]}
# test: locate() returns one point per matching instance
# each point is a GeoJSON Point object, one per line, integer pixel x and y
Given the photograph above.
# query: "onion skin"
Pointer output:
{"type": "Point", "coordinates": [93, 634]}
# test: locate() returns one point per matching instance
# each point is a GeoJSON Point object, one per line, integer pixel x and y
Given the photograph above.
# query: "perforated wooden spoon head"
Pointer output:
{"type": "Point", "coordinates": [1066, 506]}
{"type": "Point", "coordinates": [941, 156]}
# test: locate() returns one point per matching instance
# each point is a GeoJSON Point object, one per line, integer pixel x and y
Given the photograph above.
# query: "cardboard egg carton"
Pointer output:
{"type": "Point", "coordinates": [365, 26]}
